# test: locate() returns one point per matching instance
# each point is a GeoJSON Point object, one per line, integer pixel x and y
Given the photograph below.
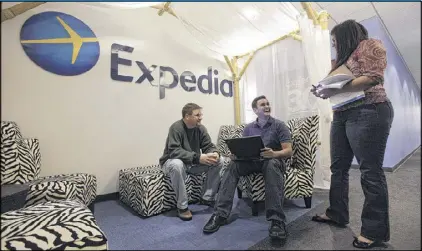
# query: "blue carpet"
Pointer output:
{"type": "Point", "coordinates": [125, 230]}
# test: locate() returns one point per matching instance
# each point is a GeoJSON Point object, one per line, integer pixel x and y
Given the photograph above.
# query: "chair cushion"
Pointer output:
{"type": "Point", "coordinates": [51, 225]}
{"type": "Point", "coordinates": [77, 186]}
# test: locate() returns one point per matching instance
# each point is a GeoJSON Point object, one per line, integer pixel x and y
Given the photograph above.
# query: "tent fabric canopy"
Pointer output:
{"type": "Point", "coordinates": [229, 29]}
{"type": "Point", "coordinates": [237, 28]}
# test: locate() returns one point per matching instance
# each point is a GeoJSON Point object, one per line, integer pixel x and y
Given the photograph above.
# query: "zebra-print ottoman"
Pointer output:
{"type": "Point", "coordinates": [149, 192]}
{"type": "Point", "coordinates": [64, 225]}
{"type": "Point", "coordinates": [299, 168]}
{"type": "Point", "coordinates": [79, 186]}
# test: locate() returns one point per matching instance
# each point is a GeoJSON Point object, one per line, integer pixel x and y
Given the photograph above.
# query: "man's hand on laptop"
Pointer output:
{"type": "Point", "coordinates": [267, 153]}
{"type": "Point", "coordinates": [208, 159]}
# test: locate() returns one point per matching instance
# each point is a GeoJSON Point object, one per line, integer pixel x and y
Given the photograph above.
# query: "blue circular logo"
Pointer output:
{"type": "Point", "coordinates": [60, 43]}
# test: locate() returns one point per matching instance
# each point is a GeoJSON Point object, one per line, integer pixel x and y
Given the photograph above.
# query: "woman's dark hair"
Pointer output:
{"type": "Point", "coordinates": [348, 35]}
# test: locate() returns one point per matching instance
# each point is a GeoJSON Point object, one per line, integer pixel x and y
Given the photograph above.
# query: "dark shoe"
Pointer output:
{"type": "Point", "coordinates": [365, 245]}
{"type": "Point", "coordinates": [318, 218]}
{"type": "Point", "coordinates": [278, 230]}
{"type": "Point", "coordinates": [184, 214]}
{"type": "Point", "coordinates": [214, 224]}
{"type": "Point", "coordinates": [209, 203]}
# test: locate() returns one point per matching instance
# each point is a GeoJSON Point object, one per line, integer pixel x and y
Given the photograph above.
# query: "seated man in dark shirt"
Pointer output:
{"type": "Point", "coordinates": [277, 140]}
{"type": "Point", "coordinates": [189, 149]}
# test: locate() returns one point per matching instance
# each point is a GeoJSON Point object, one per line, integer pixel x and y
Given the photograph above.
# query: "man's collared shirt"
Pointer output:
{"type": "Point", "coordinates": [273, 133]}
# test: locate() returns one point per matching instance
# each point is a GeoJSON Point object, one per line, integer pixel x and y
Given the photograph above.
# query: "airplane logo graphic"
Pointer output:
{"type": "Point", "coordinates": [60, 43]}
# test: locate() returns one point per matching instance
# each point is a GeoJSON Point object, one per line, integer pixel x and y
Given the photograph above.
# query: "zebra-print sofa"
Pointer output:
{"type": "Point", "coordinates": [21, 164]}
{"type": "Point", "coordinates": [299, 168]}
{"type": "Point", "coordinates": [52, 225]}
{"type": "Point", "coordinates": [148, 191]}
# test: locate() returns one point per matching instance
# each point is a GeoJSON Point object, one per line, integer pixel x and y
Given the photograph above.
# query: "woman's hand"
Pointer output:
{"type": "Point", "coordinates": [324, 93]}
{"type": "Point", "coordinates": [327, 93]}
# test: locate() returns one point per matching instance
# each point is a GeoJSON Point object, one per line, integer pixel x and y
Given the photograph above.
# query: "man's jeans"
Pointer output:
{"type": "Point", "coordinates": [274, 186]}
{"type": "Point", "coordinates": [177, 171]}
{"type": "Point", "coordinates": [362, 132]}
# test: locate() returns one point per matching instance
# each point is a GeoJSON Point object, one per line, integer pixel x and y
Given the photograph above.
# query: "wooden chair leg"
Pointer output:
{"type": "Point", "coordinates": [255, 208]}
{"type": "Point", "coordinates": [239, 193]}
{"type": "Point", "coordinates": [308, 201]}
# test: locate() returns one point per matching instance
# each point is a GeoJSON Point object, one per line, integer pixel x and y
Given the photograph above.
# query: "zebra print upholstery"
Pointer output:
{"type": "Point", "coordinates": [60, 225]}
{"type": "Point", "coordinates": [21, 164]}
{"type": "Point", "coordinates": [20, 161]}
{"type": "Point", "coordinates": [149, 192]}
{"type": "Point", "coordinates": [20, 158]}
{"type": "Point", "coordinates": [77, 186]}
{"type": "Point", "coordinates": [299, 168]}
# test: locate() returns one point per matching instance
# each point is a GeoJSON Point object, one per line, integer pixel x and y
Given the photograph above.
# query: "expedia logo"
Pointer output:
{"type": "Point", "coordinates": [154, 74]}
{"type": "Point", "coordinates": [60, 43]}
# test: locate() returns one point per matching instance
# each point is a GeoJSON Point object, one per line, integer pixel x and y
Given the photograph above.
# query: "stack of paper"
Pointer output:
{"type": "Point", "coordinates": [337, 79]}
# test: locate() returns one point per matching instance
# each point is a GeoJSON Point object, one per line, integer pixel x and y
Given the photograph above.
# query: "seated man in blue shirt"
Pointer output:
{"type": "Point", "coordinates": [277, 140]}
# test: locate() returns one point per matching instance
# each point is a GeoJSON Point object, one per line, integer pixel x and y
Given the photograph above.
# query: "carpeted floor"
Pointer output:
{"type": "Point", "coordinates": [125, 230]}
{"type": "Point", "coordinates": [405, 216]}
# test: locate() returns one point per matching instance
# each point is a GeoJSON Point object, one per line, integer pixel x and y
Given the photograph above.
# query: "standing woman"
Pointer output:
{"type": "Point", "coordinates": [360, 129]}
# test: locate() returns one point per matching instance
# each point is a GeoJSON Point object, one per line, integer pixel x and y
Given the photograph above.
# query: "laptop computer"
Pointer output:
{"type": "Point", "coordinates": [246, 148]}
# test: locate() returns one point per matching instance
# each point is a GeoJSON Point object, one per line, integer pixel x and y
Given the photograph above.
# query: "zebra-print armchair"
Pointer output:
{"type": "Point", "coordinates": [299, 168]}
{"type": "Point", "coordinates": [21, 164]}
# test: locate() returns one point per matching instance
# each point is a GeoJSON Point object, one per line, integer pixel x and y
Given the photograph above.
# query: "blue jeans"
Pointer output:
{"type": "Point", "coordinates": [274, 186]}
{"type": "Point", "coordinates": [362, 132]}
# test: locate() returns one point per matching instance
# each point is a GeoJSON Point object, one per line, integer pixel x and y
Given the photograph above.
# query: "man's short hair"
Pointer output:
{"type": "Point", "coordinates": [189, 108]}
{"type": "Point", "coordinates": [255, 101]}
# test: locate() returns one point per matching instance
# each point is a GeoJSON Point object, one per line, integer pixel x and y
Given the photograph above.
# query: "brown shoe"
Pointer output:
{"type": "Point", "coordinates": [184, 214]}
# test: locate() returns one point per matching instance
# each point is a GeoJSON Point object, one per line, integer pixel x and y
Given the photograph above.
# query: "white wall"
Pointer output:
{"type": "Point", "coordinates": [91, 123]}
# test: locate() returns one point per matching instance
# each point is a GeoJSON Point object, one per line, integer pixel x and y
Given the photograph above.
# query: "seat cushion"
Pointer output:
{"type": "Point", "coordinates": [80, 186]}
{"type": "Point", "coordinates": [50, 225]}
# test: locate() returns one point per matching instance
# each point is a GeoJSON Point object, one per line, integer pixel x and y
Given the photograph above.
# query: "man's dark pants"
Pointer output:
{"type": "Point", "coordinates": [272, 170]}
{"type": "Point", "coordinates": [362, 132]}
